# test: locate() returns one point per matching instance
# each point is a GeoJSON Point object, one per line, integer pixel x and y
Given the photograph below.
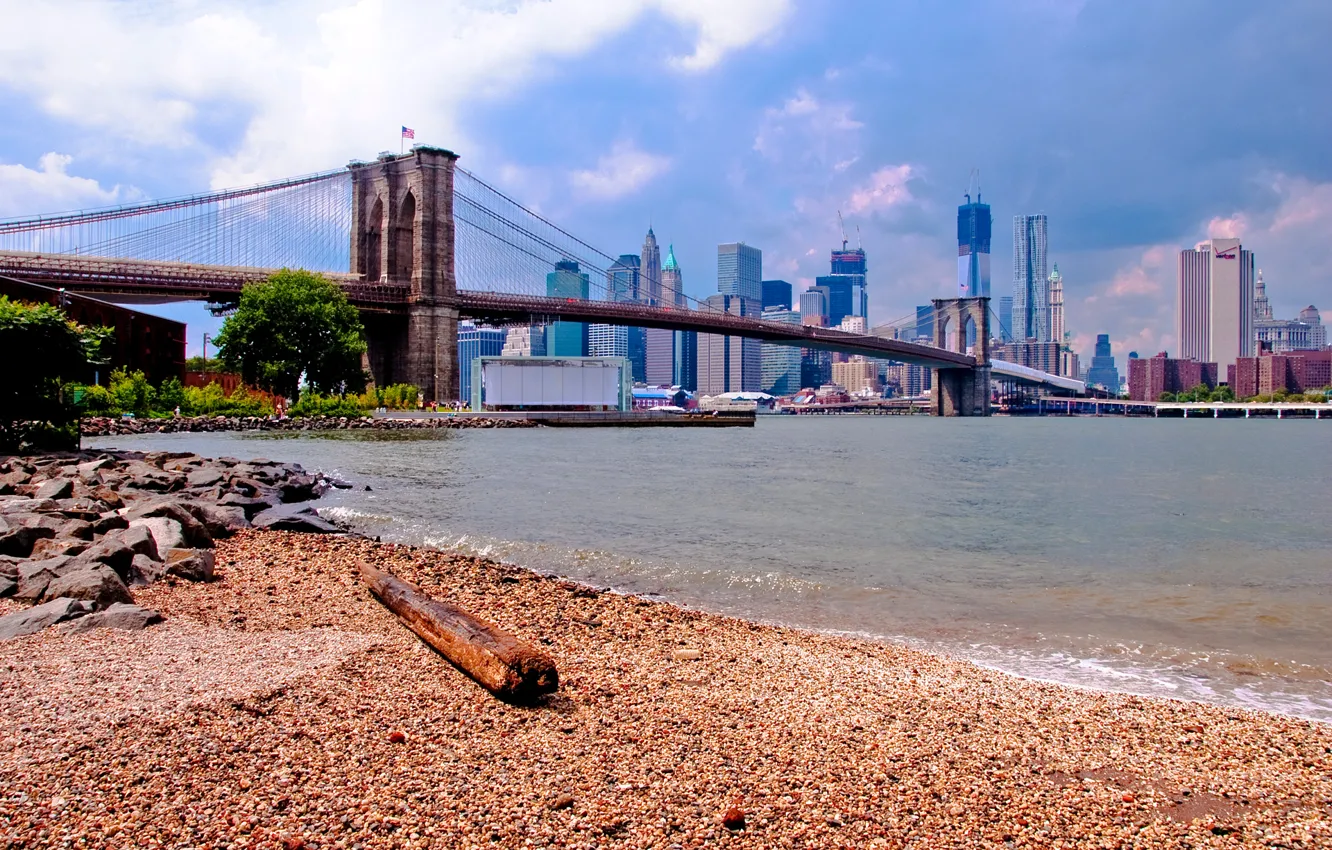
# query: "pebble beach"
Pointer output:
{"type": "Point", "coordinates": [281, 706]}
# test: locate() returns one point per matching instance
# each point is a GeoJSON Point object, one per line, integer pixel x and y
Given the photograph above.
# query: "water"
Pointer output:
{"type": "Point", "coordinates": [1190, 559]}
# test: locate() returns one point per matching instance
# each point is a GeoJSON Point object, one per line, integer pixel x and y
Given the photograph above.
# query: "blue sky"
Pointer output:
{"type": "Point", "coordinates": [1139, 128]}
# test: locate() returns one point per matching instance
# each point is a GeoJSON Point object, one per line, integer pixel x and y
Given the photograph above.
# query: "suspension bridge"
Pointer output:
{"type": "Point", "coordinates": [417, 243]}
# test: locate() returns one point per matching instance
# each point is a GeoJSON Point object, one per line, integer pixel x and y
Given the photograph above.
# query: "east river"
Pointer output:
{"type": "Point", "coordinates": [1183, 558]}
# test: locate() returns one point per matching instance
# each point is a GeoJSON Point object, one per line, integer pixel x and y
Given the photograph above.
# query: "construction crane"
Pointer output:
{"type": "Point", "coordinates": [841, 227]}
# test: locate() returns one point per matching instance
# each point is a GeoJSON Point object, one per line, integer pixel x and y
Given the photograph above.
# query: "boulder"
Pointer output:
{"type": "Point", "coordinates": [167, 533]}
{"type": "Point", "coordinates": [96, 465]}
{"type": "Point", "coordinates": [195, 532]}
{"type": "Point", "coordinates": [18, 541]}
{"type": "Point", "coordinates": [34, 576]}
{"type": "Point", "coordinates": [191, 564]}
{"type": "Point", "coordinates": [109, 521]}
{"type": "Point", "coordinates": [96, 584]}
{"type": "Point", "coordinates": [203, 477]}
{"type": "Point", "coordinates": [40, 616]}
{"type": "Point", "coordinates": [50, 547]}
{"type": "Point", "coordinates": [56, 488]}
{"type": "Point", "coordinates": [301, 518]}
{"type": "Point", "coordinates": [144, 570]}
{"type": "Point", "coordinates": [84, 509]}
{"type": "Point", "coordinates": [300, 488]}
{"type": "Point", "coordinates": [111, 551]}
{"type": "Point", "coordinates": [130, 618]}
{"type": "Point", "coordinates": [251, 505]}
{"type": "Point", "coordinates": [234, 518]}
{"type": "Point", "coordinates": [7, 586]}
{"type": "Point", "coordinates": [107, 496]}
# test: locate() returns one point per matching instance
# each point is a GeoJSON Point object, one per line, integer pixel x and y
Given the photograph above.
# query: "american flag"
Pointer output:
{"type": "Point", "coordinates": [408, 133]}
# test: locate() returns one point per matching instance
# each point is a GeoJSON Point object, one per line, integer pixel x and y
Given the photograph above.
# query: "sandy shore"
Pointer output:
{"type": "Point", "coordinates": [262, 713]}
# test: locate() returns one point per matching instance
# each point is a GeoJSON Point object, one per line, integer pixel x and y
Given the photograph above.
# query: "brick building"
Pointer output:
{"type": "Point", "coordinates": [1292, 371]}
{"type": "Point", "coordinates": [1149, 377]}
{"type": "Point", "coordinates": [1045, 356]}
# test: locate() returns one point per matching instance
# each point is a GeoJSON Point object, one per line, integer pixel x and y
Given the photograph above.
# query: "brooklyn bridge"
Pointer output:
{"type": "Point", "coordinates": [417, 243]}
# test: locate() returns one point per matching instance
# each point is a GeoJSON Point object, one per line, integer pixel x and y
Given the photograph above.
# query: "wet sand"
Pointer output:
{"type": "Point", "coordinates": [281, 706]}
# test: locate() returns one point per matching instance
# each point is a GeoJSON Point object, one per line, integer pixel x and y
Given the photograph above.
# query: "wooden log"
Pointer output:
{"type": "Point", "coordinates": [512, 670]}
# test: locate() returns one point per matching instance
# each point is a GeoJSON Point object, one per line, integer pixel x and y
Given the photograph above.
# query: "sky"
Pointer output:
{"type": "Point", "coordinates": [1138, 127]}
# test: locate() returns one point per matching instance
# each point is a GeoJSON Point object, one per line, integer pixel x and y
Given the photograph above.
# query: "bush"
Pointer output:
{"type": "Point", "coordinates": [399, 397]}
{"type": "Point", "coordinates": [131, 392]}
{"type": "Point", "coordinates": [211, 401]}
{"type": "Point", "coordinates": [94, 400]}
{"type": "Point", "coordinates": [313, 404]}
{"type": "Point", "coordinates": [1166, 397]}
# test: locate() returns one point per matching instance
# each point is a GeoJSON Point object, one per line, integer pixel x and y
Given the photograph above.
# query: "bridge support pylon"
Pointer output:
{"type": "Point", "coordinates": [960, 391]}
{"type": "Point", "coordinates": [403, 232]}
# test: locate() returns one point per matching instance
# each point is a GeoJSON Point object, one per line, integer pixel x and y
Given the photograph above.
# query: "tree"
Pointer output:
{"type": "Point", "coordinates": [45, 351]}
{"type": "Point", "coordinates": [294, 323]}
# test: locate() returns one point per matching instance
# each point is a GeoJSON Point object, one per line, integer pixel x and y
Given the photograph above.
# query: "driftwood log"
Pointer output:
{"type": "Point", "coordinates": [501, 663]}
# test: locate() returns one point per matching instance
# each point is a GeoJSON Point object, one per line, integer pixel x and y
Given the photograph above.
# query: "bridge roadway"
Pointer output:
{"type": "Point", "coordinates": [150, 281]}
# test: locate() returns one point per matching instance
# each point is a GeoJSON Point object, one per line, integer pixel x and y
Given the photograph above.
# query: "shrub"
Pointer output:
{"type": "Point", "coordinates": [131, 392]}
{"type": "Point", "coordinates": [313, 404]}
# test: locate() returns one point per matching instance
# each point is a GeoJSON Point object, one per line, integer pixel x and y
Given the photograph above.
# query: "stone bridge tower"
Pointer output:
{"type": "Point", "coordinates": [402, 232]}
{"type": "Point", "coordinates": [961, 391]}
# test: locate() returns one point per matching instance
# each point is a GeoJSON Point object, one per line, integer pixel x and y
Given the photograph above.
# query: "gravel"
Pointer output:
{"type": "Point", "coordinates": [281, 706]}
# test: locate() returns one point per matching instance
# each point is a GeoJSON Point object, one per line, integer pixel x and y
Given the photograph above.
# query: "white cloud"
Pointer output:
{"type": "Point", "coordinates": [887, 188]}
{"type": "Point", "coordinates": [623, 171]}
{"type": "Point", "coordinates": [817, 131]}
{"type": "Point", "coordinates": [318, 82]}
{"type": "Point", "coordinates": [51, 188]}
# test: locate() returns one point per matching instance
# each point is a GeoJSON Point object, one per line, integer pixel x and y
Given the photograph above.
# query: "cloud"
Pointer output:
{"type": "Point", "coordinates": [50, 187]}
{"type": "Point", "coordinates": [723, 27]}
{"type": "Point", "coordinates": [818, 131]}
{"type": "Point", "coordinates": [887, 188]}
{"type": "Point", "coordinates": [623, 171]}
{"type": "Point", "coordinates": [1229, 227]}
{"type": "Point", "coordinates": [313, 83]}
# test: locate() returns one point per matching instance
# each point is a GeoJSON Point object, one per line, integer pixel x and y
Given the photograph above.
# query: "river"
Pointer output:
{"type": "Point", "coordinates": [1181, 558]}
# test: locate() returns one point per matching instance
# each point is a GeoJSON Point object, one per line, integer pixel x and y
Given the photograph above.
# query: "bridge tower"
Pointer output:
{"type": "Point", "coordinates": [402, 232]}
{"type": "Point", "coordinates": [962, 391]}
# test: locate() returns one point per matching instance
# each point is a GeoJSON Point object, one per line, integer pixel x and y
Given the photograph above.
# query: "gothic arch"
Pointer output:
{"type": "Point", "coordinates": [372, 243]}
{"type": "Point", "coordinates": [404, 240]}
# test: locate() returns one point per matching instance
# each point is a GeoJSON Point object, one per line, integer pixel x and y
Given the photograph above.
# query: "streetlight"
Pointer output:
{"type": "Point", "coordinates": [205, 354]}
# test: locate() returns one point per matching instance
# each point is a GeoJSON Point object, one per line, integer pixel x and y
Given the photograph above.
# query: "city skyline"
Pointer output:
{"type": "Point", "coordinates": [864, 122]}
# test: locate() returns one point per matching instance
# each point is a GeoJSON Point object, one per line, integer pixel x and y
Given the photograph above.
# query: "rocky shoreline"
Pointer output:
{"type": "Point", "coordinates": [106, 426]}
{"type": "Point", "coordinates": [279, 705]}
{"type": "Point", "coordinates": [78, 530]}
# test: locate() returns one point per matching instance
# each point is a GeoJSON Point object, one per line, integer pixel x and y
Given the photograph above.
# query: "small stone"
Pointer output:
{"type": "Point", "coordinates": [734, 819]}
{"type": "Point", "coordinates": [397, 738]}
{"type": "Point", "coordinates": [1128, 798]}
{"type": "Point", "coordinates": [563, 801]}
{"type": "Point", "coordinates": [686, 655]}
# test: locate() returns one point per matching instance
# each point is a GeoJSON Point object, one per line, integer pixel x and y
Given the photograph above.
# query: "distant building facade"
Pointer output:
{"type": "Point", "coordinates": [781, 363]}
{"type": "Point", "coordinates": [1031, 300]}
{"type": "Point", "coordinates": [858, 376]}
{"type": "Point", "coordinates": [846, 285]}
{"type": "Point", "coordinates": [730, 363]}
{"type": "Point", "coordinates": [777, 295]}
{"type": "Point", "coordinates": [1150, 377]}
{"type": "Point", "coordinates": [474, 342]}
{"type": "Point", "coordinates": [1103, 369]}
{"type": "Point", "coordinates": [814, 307]}
{"type": "Point", "coordinates": [974, 226]}
{"type": "Point", "coordinates": [1214, 305]}
{"type": "Point", "coordinates": [1044, 356]}
{"type": "Point", "coordinates": [1005, 328]}
{"type": "Point", "coordinates": [740, 271]}
{"type": "Point", "coordinates": [649, 268]}
{"type": "Point", "coordinates": [1056, 290]}
{"type": "Point", "coordinates": [567, 339]}
{"type": "Point", "coordinates": [525, 341]}
{"type": "Point", "coordinates": [1291, 371]}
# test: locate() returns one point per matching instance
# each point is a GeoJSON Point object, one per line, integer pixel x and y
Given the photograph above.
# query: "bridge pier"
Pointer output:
{"type": "Point", "coordinates": [403, 232]}
{"type": "Point", "coordinates": [960, 391]}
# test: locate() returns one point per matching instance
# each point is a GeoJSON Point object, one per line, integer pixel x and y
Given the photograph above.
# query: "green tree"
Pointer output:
{"type": "Point", "coordinates": [1166, 396]}
{"type": "Point", "coordinates": [170, 395]}
{"type": "Point", "coordinates": [131, 392]}
{"type": "Point", "coordinates": [295, 323]}
{"type": "Point", "coordinates": [44, 351]}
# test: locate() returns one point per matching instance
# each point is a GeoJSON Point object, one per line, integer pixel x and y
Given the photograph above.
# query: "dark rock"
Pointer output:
{"type": "Point", "coordinates": [34, 576]}
{"type": "Point", "coordinates": [144, 570]}
{"type": "Point", "coordinates": [300, 488]}
{"type": "Point", "coordinates": [51, 547]}
{"type": "Point", "coordinates": [18, 541]}
{"type": "Point", "coordinates": [208, 516]}
{"type": "Point", "coordinates": [734, 819]}
{"type": "Point", "coordinates": [167, 534]}
{"type": "Point", "coordinates": [84, 509]}
{"type": "Point", "coordinates": [40, 616]}
{"type": "Point", "coordinates": [96, 584]}
{"type": "Point", "coordinates": [249, 504]}
{"type": "Point", "coordinates": [191, 564]}
{"type": "Point", "coordinates": [301, 518]}
{"type": "Point", "coordinates": [119, 616]}
{"type": "Point", "coordinates": [7, 586]}
{"type": "Point", "coordinates": [195, 532]}
{"type": "Point", "coordinates": [234, 518]}
{"type": "Point", "coordinates": [203, 477]}
{"type": "Point", "coordinates": [109, 522]}
{"type": "Point", "coordinates": [110, 551]}
{"type": "Point", "coordinates": [107, 496]}
{"type": "Point", "coordinates": [96, 465]}
{"type": "Point", "coordinates": [56, 488]}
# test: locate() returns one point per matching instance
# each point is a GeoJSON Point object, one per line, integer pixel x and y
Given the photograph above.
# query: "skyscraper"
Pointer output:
{"type": "Point", "coordinates": [1103, 369]}
{"type": "Point", "coordinates": [776, 295]}
{"type": "Point", "coordinates": [672, 282]}
{"type": "Point", "coordinates": [973, 248]}
{"type": "Point", "coordinates": [567, 339]}
{"type": "Point", "coordinates": [781, 363]}
{"type": "Point", "coordinates": [1031, 301]}
{"type": "Point", "coordinates": [474, 342]}
{"type": "Point", "coordinates": [1005, 318]}
{"type": "Point", "coordinates": [624, 282]}
{"type": "Point", "coordinates": [925, 323]}
{"type": "Point", "coordinates": [1262, 308]}
{"type": "Point", "coordinates": [1214, 306]}
{"type": "Point", "coordinates": [740, 271]}
{"type": "Point", "coordinates": [1056, 290]}
{"type": "Point", "coordinates": [846, 285]}
{"type": "Point", "coordinates": [730, 363]}
{"type": "Point", "coordinates": [650, 268]}
{"type": "Point", "coordinates": [814, 307]}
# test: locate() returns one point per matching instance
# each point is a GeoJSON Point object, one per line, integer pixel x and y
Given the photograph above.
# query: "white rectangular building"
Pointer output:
{"type": "Point", "coordinates": [1214, 303]}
